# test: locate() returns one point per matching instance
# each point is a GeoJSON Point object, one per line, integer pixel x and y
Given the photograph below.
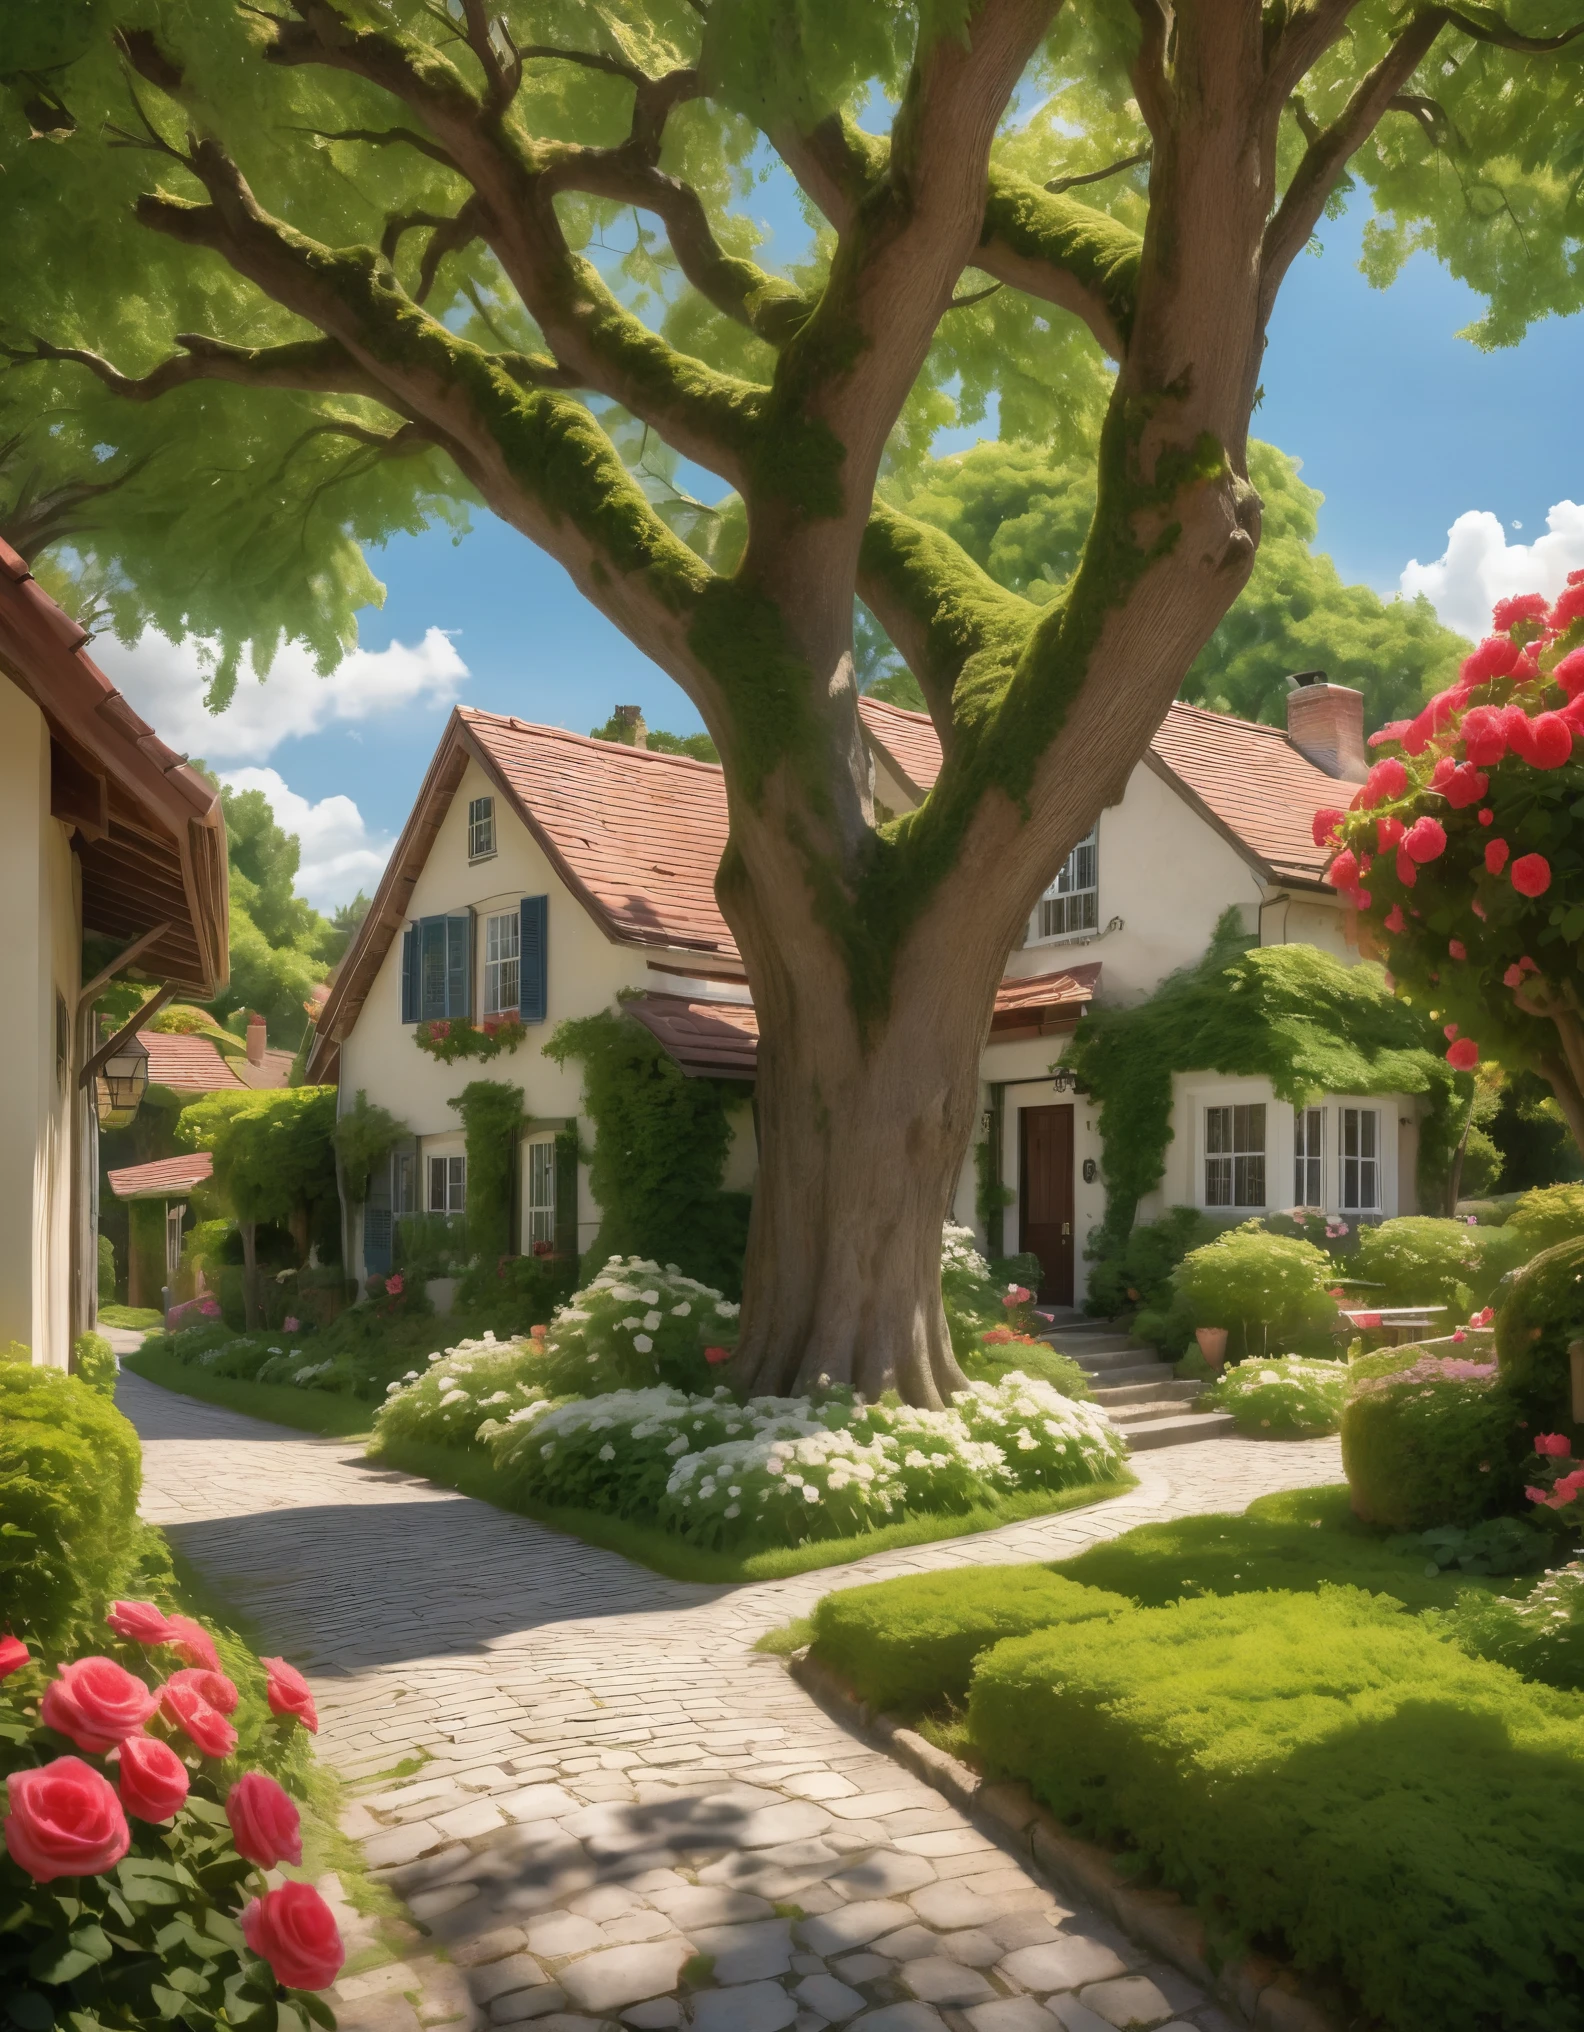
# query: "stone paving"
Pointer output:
{"type": "Point", "coordinates": [624, 1814]}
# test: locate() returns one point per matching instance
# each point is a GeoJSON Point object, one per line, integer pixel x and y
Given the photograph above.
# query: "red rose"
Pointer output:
{"type": "Point", "coordinates": [715, 1356]}
{"type": "Point", "coordinates": [1496, 852]}
{"type": "Point", "coordinates": [288, 1694]}
{"type": "Point", "coordinates": [1496, 656]}
{"type": "Point", "coordinates": [96, 1703]}
{"type": "Point", "coordinates": [1395, 920]}
{"type": "Point", "coordinates": [1569, 673]}
{"type": "Point", "coordinates": [1550, 741]}
{"type": "Point", "coordinates": [1424, 840]}
{"type": "Point", "coordinates": [294, 1930]}
{"type": "Point", "coordinates": [192, 1643]}
{"type": "Point", "coordinates": [1457, 948]}
{"type": "Point", "coordinates": [1486, 817]}
{"type": "Point", "coordinates": [186, 1707]}
{"type": "Point", "coordinates": [1531, 875]}
{"type": "Point", "coordinates": [1343, 872]}
{"type": "Point", "coordinates": [13, 1656]}
{"type": "Point", "coordinates": [264, 1823]}
{"type": "Point", "coordinates": [1556, 1443]}
{"type": "Point", "coordinates": [65, 1821]}
{"type": "Point", "coordinates": [153, 1781]}
{"type": "Point", "coordinates": [1324, 825]}
{"type": "Point", "coordinates": [1463, 1056]}
{"type": "Point", "coordinates": [141, 1623]}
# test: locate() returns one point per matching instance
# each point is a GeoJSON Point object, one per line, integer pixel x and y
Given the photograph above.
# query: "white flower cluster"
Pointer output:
{"type": "Point", "coordinates": [461, 1387]}
{"type": "Point", "coordinates": [636, 1324]}
{"type": "Point", "coordinates": [1281, 1396]}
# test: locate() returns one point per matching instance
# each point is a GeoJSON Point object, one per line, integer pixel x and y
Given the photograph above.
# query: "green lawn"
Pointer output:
{"type": "Point", "coordinates": [136, 1317]}
{"type": "Point", "coordinates": [325, 1411]}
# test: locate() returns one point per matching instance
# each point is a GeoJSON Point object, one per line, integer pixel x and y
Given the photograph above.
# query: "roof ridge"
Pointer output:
{"type": "Point", "coordinates": [1228, 719]}
{"type": "Point", "coordinates": [476, 713]}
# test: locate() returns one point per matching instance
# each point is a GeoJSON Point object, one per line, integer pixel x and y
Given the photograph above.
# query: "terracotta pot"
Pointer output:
{"type": "Point", "coordinates": [1212, 1343]}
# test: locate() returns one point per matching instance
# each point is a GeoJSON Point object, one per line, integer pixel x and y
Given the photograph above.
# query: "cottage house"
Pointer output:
{"type": "Point", "coordinates": [102, 830]}
{"type": "Point", "coordinates": [555, 876]}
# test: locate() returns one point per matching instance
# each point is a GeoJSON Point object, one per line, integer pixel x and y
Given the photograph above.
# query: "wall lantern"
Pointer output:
{"type": "Point", "coordinates": [120, 1083]}
{"type": "Point", "coordinates": [1091, 1171]}
{"type": "Point", "coordinates": [1066, 1082]}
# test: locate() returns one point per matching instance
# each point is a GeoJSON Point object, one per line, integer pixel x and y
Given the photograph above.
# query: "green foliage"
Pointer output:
{"type": "Point", "coordinates": [1434, 1799]}
{"type": "Point", "coordinates": [1438, 1442]}
{"type": "Point", "coordinates": [516, 1292]}
{"type": "Point", "coordinates": [909, 1646]}
{"type": "Point", "coordinates": [1280, 1397]}
{"type": "Point", "coordinates": [1540, 1634]}
{"type": "Point", "coordinates": [1133, 1274]}
{"type": "Point", "coordinates": [70, 1470]}
{"type": "Point", "coordinates": [1542, 1311]}
{"type": "Point", "coordinates": [1307, 1022]}
{"type": "Point", "coordinates": [1545, 1216]}
{"type": "Point", "coordinates": [1265, 1289]}
{"type": "Point", "coordinates": [1499, 1545]}
{"type": "Point", "coordinates": [445, 1402]}
{"type": "Point", "coordinates": [449, 1038]}
{"type": "Point", "coordinates": [364, 1137]}
{"type": "Point", "coordinates": [635, 1325]}
{"type": "Point", "coordinates": [1423, 1261]}
{"type": "Point", "coordinates": [94, 1363]}
{"type": "Point", "coordinates": [146, 1247]}
{"type": "Point", "coordinates": [1532, 1135]}
{"type": "Point", "coordinates": [106, 1271]}
{"type": "Point", "coordinates": [272, 1149]}
{"type": "Point", "coordinates": [661, 1140]}
{"type": "Point", "coordinates": [281, 948]}
{"type": "Point", "coordinates": [492, 1115]}
{"type": "Point", "coordinates": [657, 741]}
{"type": "Point", "coordinates": [1299, 1541]}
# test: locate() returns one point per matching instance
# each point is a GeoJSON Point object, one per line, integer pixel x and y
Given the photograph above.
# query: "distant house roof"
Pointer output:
{"type": "Point", "coordinates": [187, 1064]}
{"type": "Point", "coordinates": [149, 831]}
{"type": "Point", "coordinates": [1246, 780]}
{"type": "Point", "coordinates": [1039, 1004]}
{"type": "Point", "coordinates": [166, 1178]}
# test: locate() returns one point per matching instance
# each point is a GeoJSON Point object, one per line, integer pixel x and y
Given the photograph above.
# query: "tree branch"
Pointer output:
{"type": "Point", "coordinates": [1059, 184]}
{"type": "Point", "coordinates": [1151, 84]}
{"type": "Point", "coordinates": [1063, 252]}
{"type": "Point", "coordinates": [319, 366]}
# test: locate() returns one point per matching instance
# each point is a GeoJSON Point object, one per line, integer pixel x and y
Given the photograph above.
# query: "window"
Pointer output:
{"type": "Point", "coordinates": [1308, 1126]}
{"type": "Point", "coordinates": [541, 1194]}
{"type": "Point", "coordinates": [481, 828]}
{"type": "Point", "coordinates": [1361, 1160]}
{"type": "Point", "coordinates": [447, 1185]}
{"type": "Point", "coordinates": [1235, 1156]}
{"type": "Point", "coordinates": [437, 968]}
{"type": "Point", "coordinates": [175, 1214]}
{"type": "Point", "coordinates": [1072, 902]}
{"type": "Point", "coordinates": [501, 946]}
{"type": "Point", "coordinates": [404, 1183]}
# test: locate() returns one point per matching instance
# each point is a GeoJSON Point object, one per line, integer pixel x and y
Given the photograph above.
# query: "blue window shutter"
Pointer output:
{"type": "Point", "coordinates": [410, 974]}
{"type": "Point", "coordinates": [432, 968]}
{"type": "Point", "coordinates": [459, 965]}
{"type": "Point", "coordinates": [533, 960]}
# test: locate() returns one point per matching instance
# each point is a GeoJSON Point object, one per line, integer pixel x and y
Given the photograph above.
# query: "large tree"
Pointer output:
{"type": "Point", "coordinates": [369, 257]}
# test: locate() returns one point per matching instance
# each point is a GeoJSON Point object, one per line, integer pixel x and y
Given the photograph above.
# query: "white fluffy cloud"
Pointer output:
{"type": "Point", "coordinates": [166, 681]}
{"type": "Point", "coordinates": [339, 853]}
{"type": "Point", "coordinates": [1480, 567]}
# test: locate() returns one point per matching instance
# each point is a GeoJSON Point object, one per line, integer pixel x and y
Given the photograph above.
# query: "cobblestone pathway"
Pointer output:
{"type": "Point", "coordinates": [617, 1785]}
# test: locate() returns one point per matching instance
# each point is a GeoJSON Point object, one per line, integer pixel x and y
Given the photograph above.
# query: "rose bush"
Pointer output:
{"type": "Point", "coordinates": [131, 1846]}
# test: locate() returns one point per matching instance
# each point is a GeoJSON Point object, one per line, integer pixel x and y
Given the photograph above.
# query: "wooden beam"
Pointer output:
{"type": "Point", "coordinates": [79, 796]}
{"type": "Point", "coordinates": [150, 1009]}
{"type": "Point", "coordinates": [107, 974]}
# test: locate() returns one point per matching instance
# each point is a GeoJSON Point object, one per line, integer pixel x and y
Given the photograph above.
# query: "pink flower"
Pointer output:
{"type": "Point", "coordinates": [1550, 741]}
{"type": "Point", "coordinates": [1465, 786]}
{"type": "Point", "coordinates": [1463, 1056]}
{"type": "Point", "coordinates": [1554, 1443]}
{"type": "Point", "coordinates": [290, 1325]}
{"type": "Point", "coordinates": [140, 1623]}
{"type": "Point", "coordinates": [1343, 872]}
{"type": "Point", "coordinates": [1496, 852]}
{"type": "Point", "coordinates": [1568, 607]}
{"type": "Point", "coordinates": [1569, 673]}
{"type": "Point", "coordinates": [1449, 1030]}
{"type": "Point", "coordinates": [715, 1356]}
{"type": "Point", "coordinates": [1016, 1295]}
{"type": "Point", "coordinates": [1395, 920]}
{"type": "Point", "coordinates": [294, 1930]}
{"type": "Point", "coordinates": [65, 1821]}
{"type": "Point", "coordinates": [1388, 831]}
{"type": "Point", "coordinates": [1386, 779]}
{"type": "Point", "coordinates": [153, 1780]}
{"type": "Point", "coordinates": [1478, 908]}
{"type": "Point", "coordinates": [1486, 818]}
{"type": "Point", "coordinates": [193, 1644]}
{"type": "Point", "coordinates": [1425, 840]}
{"type": "Point", "coordinates": [13, 1656]}
{"type": "Point", "coordinates": [394, 1285]}
{"type": "Point", "coordinates": [1531, 875]}
{"type": "Point", "coordinates": [1484, 735]}
{"type": "Point", "coordinates": [1457, 948]}
{"type": "Point", "coordinates": [203, 1724]}
{"type": "Point", "coordinates": [96, 1704]}
{"type": "Point", "coordinates": [1485, 1315]}
{"type": "Point", "coordinates": [264, 1823]}
{"type": "Point", "coordinates": [213, 1687]}
{"type": "Point", "coordinates": [288, 1693]}
{"type": "Point", "coordinates": [1519, 607]}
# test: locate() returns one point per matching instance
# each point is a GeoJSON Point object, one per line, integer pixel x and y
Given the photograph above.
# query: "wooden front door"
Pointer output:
{"type": "Point", "coordinates": [1045, 1196]}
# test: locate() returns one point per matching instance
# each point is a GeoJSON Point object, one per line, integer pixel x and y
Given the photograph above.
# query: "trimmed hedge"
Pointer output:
{"type": "Point", "coordinates": [1543, 1311]}
{"type": "Point", "coordinates": [1429, 1446]}
{"type": "Point", "coordinates": [1325, 1774]}
{"type": "Point", "coordinates": [909, 1645]}
{"type": "Point", "coordinates": [70, 1470]}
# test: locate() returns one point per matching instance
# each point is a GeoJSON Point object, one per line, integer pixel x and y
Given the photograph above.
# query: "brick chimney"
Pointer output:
{"type": "Point", "coordinates": [630, 720]}
{"type": "Point", "coordinates": [256, 1039]}
{"type": "Point", "coordinates": [1325, 722]}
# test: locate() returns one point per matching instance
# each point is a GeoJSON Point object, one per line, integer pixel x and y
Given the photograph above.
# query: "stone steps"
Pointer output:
{"type": "Point", "coordinates": [1137, 1390]}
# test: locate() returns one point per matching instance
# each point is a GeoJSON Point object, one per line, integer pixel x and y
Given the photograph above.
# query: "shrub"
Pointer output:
{"type": "Point", "coordinates": [106, 1271]}
{"type": "Point", "coordinates": [909, 1645]}
{"type": "Point", "coordinates": [1287, 1397]}
{"type": "Point", "coordinates": [977, 1299]}
{"type": "Point", "coordinates": [636, 1325]}
{"type": "Point", "coordinates": [1548, 1214]}
{"type": "Point", "coordinates": [517, 1292]}
{"type": "Point", "coordinates": [1542, 1311]}
{"type": "Point", "coordinates": [1540, 1634]}
{"type": "Point", "coordinates": [70, 1469]}
{"type": "Point", "coordinates": [1261, 1287]}
{"type": "Point", "coordinates": [1422, 1261]}
{"type": "Point", "coordinates": [997, 1354]}
{"type": "Point", "coordinates": [445, 1403]}
{"type": "Point", "coordinates": [1434, 1800]}
{"type": "Point", "coordinates": [94, 1363]}
{"type": "Point", "coordinates": [1432, 1444]}
{"type": "Point", "coordinates": [1137, 1275]}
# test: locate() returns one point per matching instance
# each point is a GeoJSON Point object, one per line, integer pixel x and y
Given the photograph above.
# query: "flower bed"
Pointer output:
{"type": "Point", "coordinates": [1286, 1397]}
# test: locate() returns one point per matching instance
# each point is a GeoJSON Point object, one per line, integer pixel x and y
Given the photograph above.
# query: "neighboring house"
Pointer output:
{"type": "Point", "coordinates": [551, 874]}
{"type": "Point", "coordinates": [165, 1187]}
{"type": "Point", "coordinates": [103, 829]}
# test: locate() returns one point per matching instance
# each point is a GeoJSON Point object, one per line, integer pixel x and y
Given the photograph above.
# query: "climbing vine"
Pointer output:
{"type": "Point", "coordinates": [492, 1114]}
{"type": "Point", "coordinates": [661, 1139]}
{"type": "Point", "coordinates": [364, 1137]}
{"type": "Point", "coordinates": [1291, 1013]}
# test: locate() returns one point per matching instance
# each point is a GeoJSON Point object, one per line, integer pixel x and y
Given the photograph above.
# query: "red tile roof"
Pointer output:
{"type": "Point", "coordinates": [1035, 1004]}
{"type": "Point", "coordinates": [1248, 780]}
{"type": "Point", "coordinates": [189, 1064]}
{"type": "Point", "coordinates": [165, 1178]}
{"type": "Point", "coordinates": [275, 1071]}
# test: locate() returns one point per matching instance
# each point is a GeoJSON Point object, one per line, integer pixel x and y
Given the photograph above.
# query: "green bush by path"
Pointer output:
{"type": "Point", "coordinates": [1269, 1291]}
{"type": "Point", "coordinates": [70, 1470]}
{"type": "Point", "coordinates": [1541, 1312]}
{"type": "Point", "coordinates": [1298, 1541]}
{"type": "Point", "coordinates": [94, 1363]}
{"type": "Point", "coordinates": [995, 1362]}
{"type": "Point", "coordinates": [1284, 1397]}
{"type": "Point", "coordinates": [1548, 1214]}
{"type": "Point", "coordinates": [1325, 1776]}
{"type": "Point", "coordinates": [909, 1645]}
{"type": "Point", "coordinates": [1423, 1261]}
{"type": "Point", "coordinates": [1439, 1442]}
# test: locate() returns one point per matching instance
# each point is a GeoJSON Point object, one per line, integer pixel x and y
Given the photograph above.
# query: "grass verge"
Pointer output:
{"type": "Point", "coordinates": [307, 1410]}
{"type": "Point", "coordinates": [134, 1317]}
{"type": "Point", "coordinates": [472, 1473]}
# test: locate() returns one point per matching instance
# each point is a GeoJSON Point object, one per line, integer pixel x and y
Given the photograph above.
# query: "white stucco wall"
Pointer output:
{"type": "Point", "coordinates": [40, 935]}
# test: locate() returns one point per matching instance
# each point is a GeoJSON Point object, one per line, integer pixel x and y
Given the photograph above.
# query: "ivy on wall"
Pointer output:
{"type": "Point", "coordinates": [660, 1147]}
{"type": "Point", "coordinates": [1289, 1013]}
{"type": "Point", "coordinates": [492, 1114]}
{"type": "Point", "coordinates": [364, 1137]}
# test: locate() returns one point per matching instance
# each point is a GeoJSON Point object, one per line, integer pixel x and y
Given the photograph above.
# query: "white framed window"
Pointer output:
{"type": "Point", "coordinates": [1235, 1156]}
{"type": "Point", "coordinates": [1308, 1150]}
{"type": "Point", "coordinates": [1360, 1155]}
{"type": "Point", "coordinates": [541, 1192]}
{"type": "Point", "coordinates": [404, 1184]}
{"type": "Point", "coordinates": [447, 1185]}
{"type": "Point", "coordinates": [481, 828]}
{"type": "Point", "coordinates": [502, 936]}
{"type": "Point", "coordinates": [1072, 902]}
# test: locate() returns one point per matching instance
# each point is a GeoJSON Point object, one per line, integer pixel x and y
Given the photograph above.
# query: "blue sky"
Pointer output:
{"type": "Point", "coordinates": [1401, 424]}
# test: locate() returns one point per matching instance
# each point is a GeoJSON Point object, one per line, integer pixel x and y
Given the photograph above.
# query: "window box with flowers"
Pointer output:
{"type": "Point", "coordinates": [448, 1038]}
